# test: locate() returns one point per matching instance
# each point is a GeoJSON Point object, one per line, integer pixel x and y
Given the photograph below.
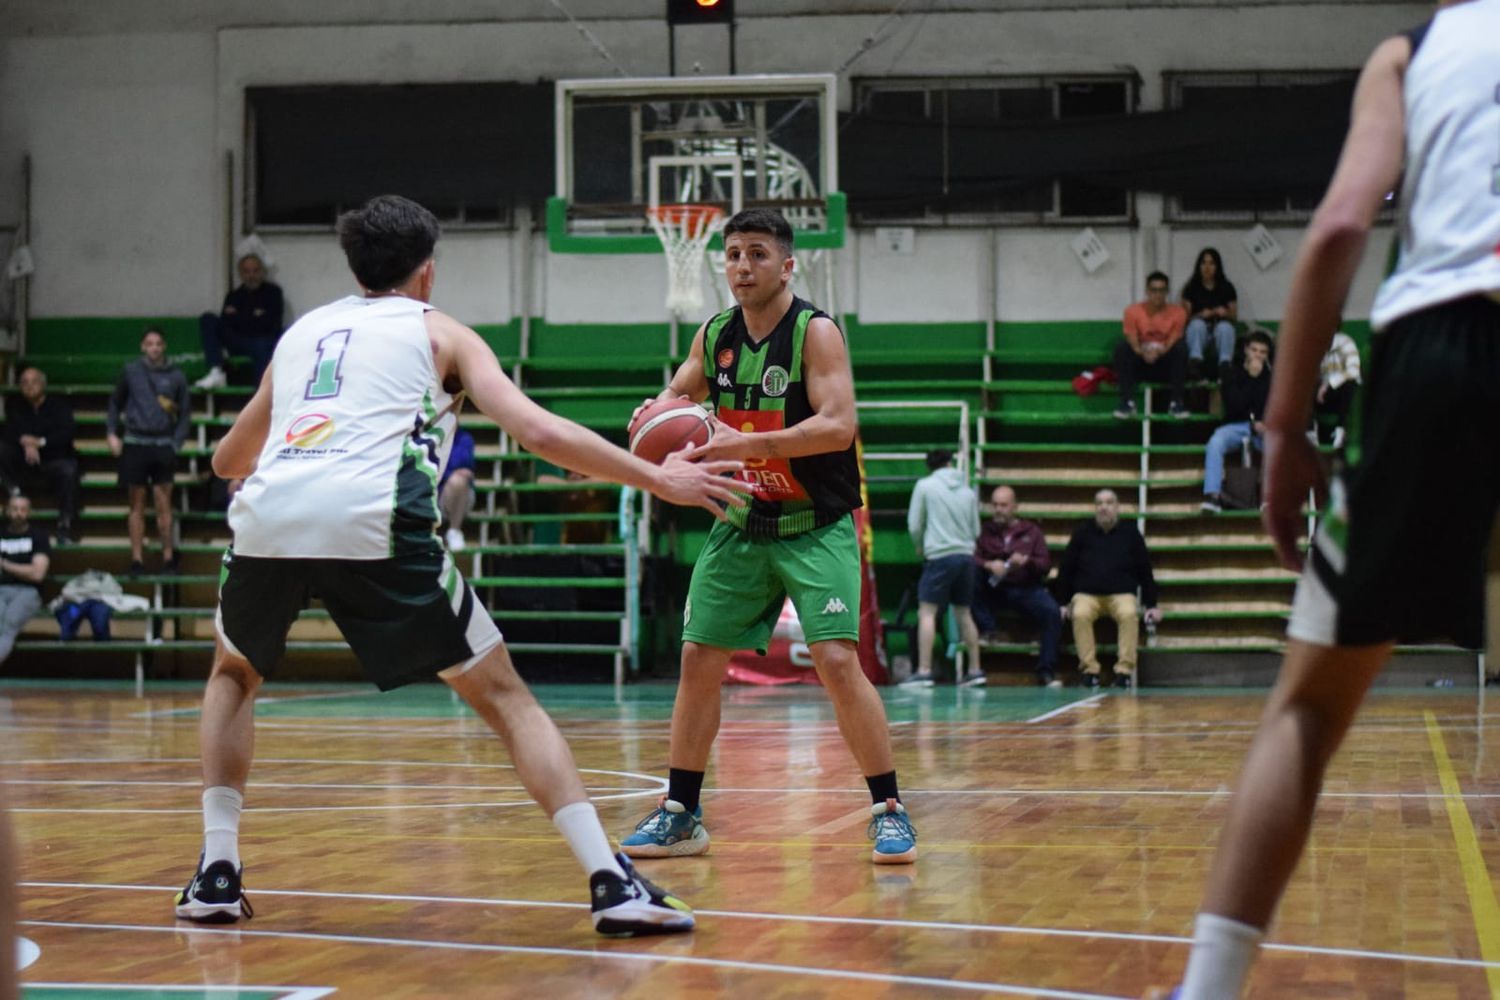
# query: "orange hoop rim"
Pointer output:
{"type": "Point", "coordinates": [692, 213]}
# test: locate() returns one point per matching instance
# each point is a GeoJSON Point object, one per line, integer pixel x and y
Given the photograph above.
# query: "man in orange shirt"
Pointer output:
{"type": "Point", "coordinates": [1153, 348]}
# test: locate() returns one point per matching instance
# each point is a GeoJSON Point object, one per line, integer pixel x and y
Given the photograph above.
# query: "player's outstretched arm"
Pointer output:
{"type": "Point", "coordinates": [1368, 169]}
{"type": "Point", "coordinates": [463, 354]}
{"type": "Point", "coordinates": [237, 452]}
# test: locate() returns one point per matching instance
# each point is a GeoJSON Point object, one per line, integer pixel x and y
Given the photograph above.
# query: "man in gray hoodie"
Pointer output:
{"type": "Point", "coordinates": [943, 520]}
{"type": "Point", "coordinates": [151, 400]}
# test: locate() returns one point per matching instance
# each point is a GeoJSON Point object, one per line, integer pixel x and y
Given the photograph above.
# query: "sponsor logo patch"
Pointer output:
{"type": "Point", "coordinates": [775, 381]}
{"type": "Point", "coordinates": [725, 357]}
{"type": "Point", "coordinates": [835, 607]}
{"type": "Point", "coordinates": [725, 382]}
{"type": "Point", "coordinates": [309, 430]}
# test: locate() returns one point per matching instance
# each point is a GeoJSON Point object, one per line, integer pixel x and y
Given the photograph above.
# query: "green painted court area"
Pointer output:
{"type": "Point", "coordinates": [121, 992]}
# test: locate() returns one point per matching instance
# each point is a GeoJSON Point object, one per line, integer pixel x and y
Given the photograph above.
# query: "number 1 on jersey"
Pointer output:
{"type": "Point", "coordinates": [326, 381]}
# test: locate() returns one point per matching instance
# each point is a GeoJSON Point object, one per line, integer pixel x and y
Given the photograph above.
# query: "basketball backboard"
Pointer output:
{"type": "Point", "coordinates": [627, 145]}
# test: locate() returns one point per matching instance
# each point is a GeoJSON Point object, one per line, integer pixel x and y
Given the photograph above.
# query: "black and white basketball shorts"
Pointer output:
{"type": "Point", "coordinates": [1400, 554]}
{"type": "Point", "coordinates": [405, 618]}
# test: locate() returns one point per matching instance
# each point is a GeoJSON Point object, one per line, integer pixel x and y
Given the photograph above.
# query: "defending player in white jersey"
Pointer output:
{"type": "Point", "coordinates": [1427, 105]}
{"type": "Point", "coordinates": [342, 445]}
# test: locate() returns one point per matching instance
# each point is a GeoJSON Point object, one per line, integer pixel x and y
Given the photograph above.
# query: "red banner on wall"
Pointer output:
{"type": "Point", "coordinates": [787, 659]}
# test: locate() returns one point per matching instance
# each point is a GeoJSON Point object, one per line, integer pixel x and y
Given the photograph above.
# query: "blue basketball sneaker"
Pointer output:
{"type": "Point", "coordinates": [669, 832]}
{"type": "Point", "coordinates": [895, 838]}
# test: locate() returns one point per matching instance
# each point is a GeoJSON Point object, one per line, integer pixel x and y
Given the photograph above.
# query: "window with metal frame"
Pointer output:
{"type": "Point", "coordinates": [1227, 102]}
{"type": "Point", "coordinates": [469, 152]}
{"type": "Point", "coordinates": [967, 111]}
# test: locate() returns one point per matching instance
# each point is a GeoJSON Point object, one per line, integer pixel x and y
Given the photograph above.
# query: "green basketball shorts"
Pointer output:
{"type": "Point", "coordinates": [740, 583]}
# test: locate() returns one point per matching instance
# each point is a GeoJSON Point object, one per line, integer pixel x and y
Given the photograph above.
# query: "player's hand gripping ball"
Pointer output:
{"type": "Point", "coordinates": [668, 425]}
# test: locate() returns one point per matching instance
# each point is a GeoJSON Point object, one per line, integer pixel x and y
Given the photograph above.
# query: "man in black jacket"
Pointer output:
{"type": "Point", "coordinates": [1245, 394]}
{"type": "Point", "coordinates": [37, 443]}
{"type": "Point", "coordinates": [151, 401]}
{"type": "Point", "coordinates": [250, 322]}
{"type": "Point", "coordinates": [1103, 566]}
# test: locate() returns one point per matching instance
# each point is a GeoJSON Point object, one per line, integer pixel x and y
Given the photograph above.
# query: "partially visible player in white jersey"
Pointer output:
{"type": "Point", "coordinates": [1399, 554]}
{"type": "Point", "coordinates": [341, 446]}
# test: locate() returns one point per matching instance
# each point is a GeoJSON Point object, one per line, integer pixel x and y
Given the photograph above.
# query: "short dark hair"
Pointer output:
{"type": "Point", "coordinates": [939, 458]}
{"type": "Point", "coordinates": [762, 220]}
{"type": "Point", "coordinates": [1158, 276]}
{"type": "Point", "coordinates": [153, 328]}
{"type": "Point", "coordinates": [1261, 337]}
{"type": "Point", "coordinates": [386, 239]}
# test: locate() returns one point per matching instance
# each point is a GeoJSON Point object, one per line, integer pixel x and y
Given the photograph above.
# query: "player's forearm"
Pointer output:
{"type": "Point", "coordinates": [817, 435]}
{"type": "Point", "coordinates": [1320, 284]}
{"type": "Point", "coordinates": [575, 447]}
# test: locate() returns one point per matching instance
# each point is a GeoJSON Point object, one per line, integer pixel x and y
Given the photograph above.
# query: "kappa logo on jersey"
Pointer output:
{"type": "Point", "coordinates": [775, 381]}
{"type": "Point", "coordinates": [835, 607]}
{"type": "Point", "coordinates": [309, 430]}
{"type": "Point", "coordinates": [725, 357]}
{"type": "Point", "coordinates": [725, 382]}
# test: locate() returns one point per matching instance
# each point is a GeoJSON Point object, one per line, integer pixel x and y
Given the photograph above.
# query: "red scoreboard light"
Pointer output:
{"type": "Point", "coordinates": [700, 12]}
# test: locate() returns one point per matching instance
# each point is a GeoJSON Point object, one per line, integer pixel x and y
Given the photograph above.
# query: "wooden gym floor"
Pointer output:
{"type": "Point", "coordinates": [1064, 838]}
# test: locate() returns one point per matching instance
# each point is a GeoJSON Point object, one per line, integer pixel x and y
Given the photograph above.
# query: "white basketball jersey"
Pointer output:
{"type": "Point", "coordinates": [1450, 198]}
{"type": "Point", "coordinates": [356, 442]}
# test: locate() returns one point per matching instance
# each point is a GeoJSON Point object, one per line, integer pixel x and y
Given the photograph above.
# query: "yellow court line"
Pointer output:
{"type": "Point", "coordinates": [1476, 876]}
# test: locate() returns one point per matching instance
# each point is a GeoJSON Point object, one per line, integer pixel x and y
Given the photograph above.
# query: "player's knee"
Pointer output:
{"type": "Point", "coordinates": [239, 670]}
{"type": "Point", "coordinates": [703, 664]}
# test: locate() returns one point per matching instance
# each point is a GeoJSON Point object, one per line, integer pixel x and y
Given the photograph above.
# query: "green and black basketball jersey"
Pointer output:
{"type": "Point", "coordinates": [760, 387]}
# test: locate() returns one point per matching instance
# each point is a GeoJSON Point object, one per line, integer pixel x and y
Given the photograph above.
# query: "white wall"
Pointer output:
{"type": "Point", "coordinates": [128, 123]}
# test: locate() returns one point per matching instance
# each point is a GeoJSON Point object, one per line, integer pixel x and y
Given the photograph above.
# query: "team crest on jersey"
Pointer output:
{"type": "Point", "coordinates": [775, 381]}
{"type": "Point", "coordinates": [309, 430]}
{"type": "Point", "coordinates": [726, 357]}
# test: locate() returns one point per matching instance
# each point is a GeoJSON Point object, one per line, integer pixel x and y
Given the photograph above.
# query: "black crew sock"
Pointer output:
{"type": "Point", "coordinates": [685, 787]}
{"type": "Point", "coordinates": [882, 787]}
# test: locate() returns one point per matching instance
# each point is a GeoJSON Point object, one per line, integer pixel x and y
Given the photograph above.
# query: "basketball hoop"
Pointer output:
{"type": "Point", "coordinates": [684, 231]}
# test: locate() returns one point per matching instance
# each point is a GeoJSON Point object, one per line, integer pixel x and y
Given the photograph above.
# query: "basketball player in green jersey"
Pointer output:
{"type": "Point", "coordinates": [776, 372]}
{"type": "Point", "coordinates": [341, 448]}
{"type": "Point", "coordinates": [1426, 117]}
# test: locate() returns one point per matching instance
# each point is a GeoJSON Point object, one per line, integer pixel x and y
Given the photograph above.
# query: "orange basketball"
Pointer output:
{"type": "Point", "coordinates": [668, 425]}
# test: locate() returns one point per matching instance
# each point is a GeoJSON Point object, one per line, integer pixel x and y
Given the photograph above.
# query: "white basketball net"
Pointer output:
{"type": "Point", "coordinates": [684, 231]}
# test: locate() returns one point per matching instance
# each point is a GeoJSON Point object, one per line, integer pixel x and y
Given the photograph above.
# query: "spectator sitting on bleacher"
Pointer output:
{"type": "Point", "coordinates": [1105, 563]}
{"type": "Point", "coordinates": [1338, 380]}
{"type": "Point", "coordinates": [1011, 562]}
{"type": "Point", "coordinates": [37, 443]}
{"type": "Point", "coordinates": [943, 521]}
{"type": "Point", "coordinates": [24, 560]}
{"type": "Point", "coordinates": [1152, 347]}
{"type": "Point", "coordinates": [456, 489]}
{"type": "Point", "coordinates": [251, 322]}
{"type": "Point", "coordinates": [1245, 394]}
{"type": "Point", "coordinates": [150, 408]}
{"type": "Point", "coordinates": [1212, 304]}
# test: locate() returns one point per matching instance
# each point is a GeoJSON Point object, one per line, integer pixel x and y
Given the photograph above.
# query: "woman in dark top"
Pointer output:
{"type": "Point", "coordinates": [1212, 306]}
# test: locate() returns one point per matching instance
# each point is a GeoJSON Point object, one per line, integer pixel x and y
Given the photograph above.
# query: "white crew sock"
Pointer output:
{"type": "Point", "coordinates": [221, 825]}
{"type": "Point", "coordinates": [579, 825]}
{"type": "Point", "coordinates": [1220, 960]}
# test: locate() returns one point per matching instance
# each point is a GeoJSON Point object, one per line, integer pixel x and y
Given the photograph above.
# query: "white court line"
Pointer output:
{"type": "Point", "coordinates": [1066, 708]}
{"type": "Point", "coordinates": [803, 918]}
{"type": "Point", "coordinates": [507, 949]}
{"type": "Point", "coordinates": [298, 992]}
